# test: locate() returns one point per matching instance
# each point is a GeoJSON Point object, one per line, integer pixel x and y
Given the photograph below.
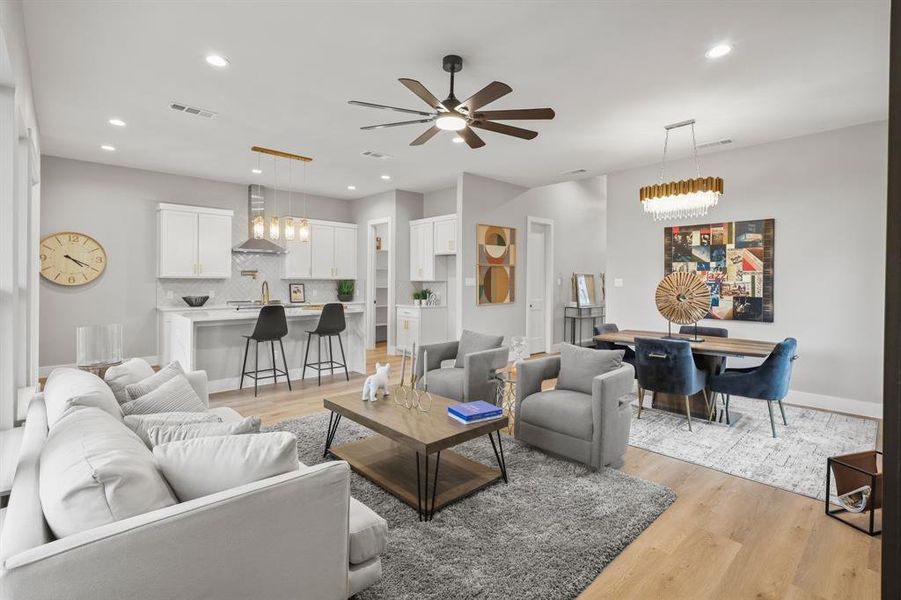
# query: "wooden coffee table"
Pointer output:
{"type": "Point", "coordinates": [410, 445]}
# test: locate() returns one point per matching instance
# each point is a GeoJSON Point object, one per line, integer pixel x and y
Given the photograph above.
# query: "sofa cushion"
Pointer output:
{"type": "Point", "coordinates": [207, 465]}
{"type": "Point", "coordinates": [579, 366]}
{"type": "Point", "coordinates": [176, 394]}
{"type": "Point", "coordinates": [67, 387]}
{"type": "Point", "coordinates": [94, 471]}
{"type": "Point", "coordinates": [563, 411]}
{"type": "Point", "coordinates": [226, 413]}
{"type": "Point", "coordinates": [446, 382]}
{"type": "Point", "coordinates": [368, 533]}
{"type": "Point", "coordinates": [471, 341]}
{"type": "Point", "coordinates": [163, 434]}
{"type": "Point", "coordinates": [145, 386]}
{"type": "Point", "coordinates": [142, 424]}
{"type": "Point", "coordinates": [129, 372]}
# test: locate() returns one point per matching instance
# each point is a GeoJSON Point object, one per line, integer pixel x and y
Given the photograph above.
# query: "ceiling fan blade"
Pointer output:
{"type": "Point", "coordinates": [419, 89]}
{"type": "Point", "coordinates": [429, 134]}
{"type": "Point", "coordinates": [398, 124]}
{"type": "Point", "coordinates": [486, 95]}
{"type": "Point", "coordinates": [526, 134]}
{"type": "Point", "coordinates": [386, 107]}
{"type": "Point", "coordinates": [469, 136]}
{"type": "Point", "coordinates": [515, 114]}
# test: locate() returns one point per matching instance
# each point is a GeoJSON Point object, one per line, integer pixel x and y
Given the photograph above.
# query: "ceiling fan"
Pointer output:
{"type": "Point", "coordinates": [452, 115]}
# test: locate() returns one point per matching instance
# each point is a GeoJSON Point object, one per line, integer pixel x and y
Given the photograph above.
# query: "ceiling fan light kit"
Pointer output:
{"type": "Point", "coordinates": [683, 199]}
{"type": "Point", "coordinates": [452, 115]}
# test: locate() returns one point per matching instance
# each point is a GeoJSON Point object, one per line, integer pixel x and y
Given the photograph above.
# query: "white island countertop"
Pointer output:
{"type": "Point", "coordinates": [251, 314]}
{"type": "Point", "coordinates": [233, 307]}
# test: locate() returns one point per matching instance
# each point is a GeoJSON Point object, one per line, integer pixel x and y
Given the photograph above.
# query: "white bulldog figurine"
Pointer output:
{"type": "Point", "coordinates": [376, 382]}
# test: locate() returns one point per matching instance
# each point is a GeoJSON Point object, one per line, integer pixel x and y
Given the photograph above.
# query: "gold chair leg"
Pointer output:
{"type": "Point", "coordinates": [640, 400]}
{"type": "Point", "coordinates": [707, 403]}
{"type": "Point", "coordinates": [688, 411]}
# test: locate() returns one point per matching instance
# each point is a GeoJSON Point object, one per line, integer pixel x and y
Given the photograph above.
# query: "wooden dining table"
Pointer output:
{"type": "Point", "coordinates": [709, 350]}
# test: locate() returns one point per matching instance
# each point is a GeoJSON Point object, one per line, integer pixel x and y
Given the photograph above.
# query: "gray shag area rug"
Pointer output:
{"type": "Point", "coordinates": [545, 535]}
{"type": "Point", "coordinates": [793, 461]}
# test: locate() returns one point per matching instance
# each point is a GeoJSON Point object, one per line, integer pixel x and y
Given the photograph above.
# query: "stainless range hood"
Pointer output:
{"type": "Point", "coordinates": [256, 206]}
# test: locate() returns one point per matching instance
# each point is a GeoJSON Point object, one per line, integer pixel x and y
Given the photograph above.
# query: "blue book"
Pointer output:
{"type": "Point", "coordinates": [469, 412]}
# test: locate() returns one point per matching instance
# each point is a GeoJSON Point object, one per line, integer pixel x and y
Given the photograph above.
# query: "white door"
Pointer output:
{"type": "Point", "coordinates": [345, 252]}
{"type": "Point", "coordinates": [536, 283]}
{"type": "Point", "coordinates": [178, 244]}
{"type": "Point", "coordinates": [214, 245]}
{"type": "Point", "coordinates": [297, 261]}
{"type": "Point", "coordinates": [445, 236]}
{"type": "Point", "coordinates": [322, 248]}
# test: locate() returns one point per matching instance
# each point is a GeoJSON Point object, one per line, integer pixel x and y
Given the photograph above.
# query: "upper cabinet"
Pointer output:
{"type": "Point", "coordinates": [331, 252]}
{"type": "Point", "coordinates": [194, 242]}
{"type": "Point", "coordinates": [435, 236]}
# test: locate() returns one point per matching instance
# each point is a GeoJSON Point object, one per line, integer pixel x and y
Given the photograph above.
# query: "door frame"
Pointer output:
{"type": "Point", "coordinates": [370, 281]}
{"type": "Point", "coordinates": [548, 279]}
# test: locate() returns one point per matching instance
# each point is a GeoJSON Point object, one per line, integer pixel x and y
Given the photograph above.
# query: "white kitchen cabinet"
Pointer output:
{"type": "Point", "coordinates": [445, 236]}
{"type": "Point", "coordinates": [331, 253]}
{"type": "Point", "coordinates": [194, 242]}
{"type": "Point", "coordinates": [420, 324]}
{"type": "Point", "coordinates": [422, 251]}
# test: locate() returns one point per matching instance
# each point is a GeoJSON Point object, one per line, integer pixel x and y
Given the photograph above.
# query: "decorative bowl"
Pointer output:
{"type": "Point", "coordinates": [195, 300]}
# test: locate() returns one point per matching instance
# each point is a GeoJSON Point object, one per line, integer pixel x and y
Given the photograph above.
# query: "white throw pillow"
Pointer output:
{"type": "Point", "coordinates": [145, 386]}
{"type": "Point", "coordinates": [94, 471]}
{"type": "Point", "coordinates": [163, 434]}
{"type": "Point", "coordinates": [175, 395]}
{"type": "Point", "coordinates": [67, 387]}
{"type": "Point", "coordinates": [142, 424]}
{"type": "Point", "coordinates": [129, 372]}
{"type": "Point", "coordinates": [207, 465]}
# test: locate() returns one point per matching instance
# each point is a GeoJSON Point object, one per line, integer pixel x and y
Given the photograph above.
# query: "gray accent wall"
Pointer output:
{"type": "Point", "coordinates": [827, 193]}
{"type": "Point", "coordinates": [117, 206]}
{"type": "Point", "coordinates": [439, 202]}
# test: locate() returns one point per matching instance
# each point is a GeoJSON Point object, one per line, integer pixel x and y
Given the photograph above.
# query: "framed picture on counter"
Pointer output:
{"type": "Point", "coordinates": [297, 293]}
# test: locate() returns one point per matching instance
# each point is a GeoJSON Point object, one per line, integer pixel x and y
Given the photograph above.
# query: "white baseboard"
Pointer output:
{"type": "Point", "coordinates": [849, 406]}
{"type": "Point", "coordinates": [45, 371]}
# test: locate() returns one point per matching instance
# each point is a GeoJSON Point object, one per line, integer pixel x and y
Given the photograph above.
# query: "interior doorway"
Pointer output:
{"type": "Point", "coordinates": [539, 284]}
{"type": "Point", "coordinates": [379, 282]}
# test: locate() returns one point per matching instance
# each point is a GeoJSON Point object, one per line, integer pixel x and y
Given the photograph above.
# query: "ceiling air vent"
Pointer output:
{"type": "Point", "coordinates": [192, 110]}
{"type": "Point", "coordinates": [575, 172]}
{"type": "Point", "coordinates": [374, 154]}
{"type": "Point", "coordinates": [721, 142]}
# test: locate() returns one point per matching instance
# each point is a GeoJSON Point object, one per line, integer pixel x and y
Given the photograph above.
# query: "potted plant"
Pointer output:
{"type": "Point", "coordinates": [345, 290]}
{"type": "Point", "coordinates": [426, 295]}
{"type": "Point", "coordinates": [417, 298]}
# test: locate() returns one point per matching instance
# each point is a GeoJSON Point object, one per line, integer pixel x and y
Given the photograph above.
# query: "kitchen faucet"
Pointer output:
{"type": "Point", "coordinates": [264, 300]}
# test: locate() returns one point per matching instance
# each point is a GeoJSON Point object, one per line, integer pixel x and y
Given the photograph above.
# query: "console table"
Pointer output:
{"type": "Point", "coordinates": [576, 316]}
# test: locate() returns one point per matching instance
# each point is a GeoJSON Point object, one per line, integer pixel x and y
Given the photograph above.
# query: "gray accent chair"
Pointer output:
{"type": "Point", "coordinates": [589, 428]}
{"type": "Point", "coordinates": [477, 357]}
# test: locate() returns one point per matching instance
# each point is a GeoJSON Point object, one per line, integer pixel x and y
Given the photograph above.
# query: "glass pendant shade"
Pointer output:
{"type": "Point", "coordinates": [259, 228]}
{"type": "Point", "coordinates": [303, 230]}
{"type": "Point", "coordinates": [273, 228]}
{"type": "Point", "coordinates": [289, 229]}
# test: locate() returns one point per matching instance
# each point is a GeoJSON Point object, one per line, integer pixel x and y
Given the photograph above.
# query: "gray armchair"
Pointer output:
{"type": "Point", "coordinates": [591, 429]}
{"type": "Point", "coordinates": [471, 376]}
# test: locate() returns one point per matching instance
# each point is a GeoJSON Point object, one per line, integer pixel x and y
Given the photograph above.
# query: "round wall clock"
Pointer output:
{"type": "Point", "coordinates": [71, 258]}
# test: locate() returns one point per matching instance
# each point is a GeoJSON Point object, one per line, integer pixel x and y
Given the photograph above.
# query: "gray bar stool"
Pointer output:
{"type": "Point", "coordinates": [271, 326]}
{"type": "Point", "coordinates": [331, 324]}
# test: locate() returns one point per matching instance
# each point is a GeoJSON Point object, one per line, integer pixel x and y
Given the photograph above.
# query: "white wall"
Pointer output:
{"type": "Point", "coordinates": [827, 193]}
{"type": "Point", "coordinates": [439, 202]}
{"type": "Point", "coordinates": [117, 206]}
{"type": "Point", "coordinates": [577, 209]}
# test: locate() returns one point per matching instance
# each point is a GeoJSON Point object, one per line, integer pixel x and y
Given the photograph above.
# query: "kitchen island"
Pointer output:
{"type": "Point", "coordinates": [212, 339]}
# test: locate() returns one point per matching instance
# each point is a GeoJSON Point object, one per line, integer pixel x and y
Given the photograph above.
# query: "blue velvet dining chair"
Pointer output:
{"type": "Point", "coordinates": [768, 381]}
{"type": "Point", "coordinates": [668, 367]}
{"type": "Point", "coordinates": [628, 353]}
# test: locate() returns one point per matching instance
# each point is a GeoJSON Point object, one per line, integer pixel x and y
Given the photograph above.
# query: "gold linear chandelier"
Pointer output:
{"type": "Point", "coordinates": [681, 199]}
{"type": "Point", "coordinates": [303, 225]}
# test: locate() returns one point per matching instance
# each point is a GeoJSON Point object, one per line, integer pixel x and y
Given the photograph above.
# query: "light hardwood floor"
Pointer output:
{"type": "Point", "coordinates": [724, 537]}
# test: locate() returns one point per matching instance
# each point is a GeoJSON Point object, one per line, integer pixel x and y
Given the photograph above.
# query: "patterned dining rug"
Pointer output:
{"type": "Point", "coordinates": [546, 534]}
{"type": "Point", "coordinates": [794, 461]}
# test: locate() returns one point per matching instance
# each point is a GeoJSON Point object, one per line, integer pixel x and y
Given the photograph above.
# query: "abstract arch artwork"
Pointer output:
{"type": "Point", "coordinates": [496, 264]}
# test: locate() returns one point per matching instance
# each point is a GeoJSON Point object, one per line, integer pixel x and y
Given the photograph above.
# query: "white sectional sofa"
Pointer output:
{"type": "Point", "coordinates": [296, 535]}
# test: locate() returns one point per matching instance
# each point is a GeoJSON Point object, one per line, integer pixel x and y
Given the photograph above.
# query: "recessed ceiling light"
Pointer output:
{"type": "Point", "coordinates": [217, 60]}
{"type": "Point", "coordinates": [457, 140]}
{"type": "Point", "coordinates": [117, 122]}
{"type": "Point", "coordinates": [718, 51]}
{"type": "Point", "coordinates": [351, 187]}
{"type": "Point", "coordinates": [108, 148]}
{"type": "Point", "coordinates": [256, 171]}
{"type": "Point", "coordinates": [386, 177]}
